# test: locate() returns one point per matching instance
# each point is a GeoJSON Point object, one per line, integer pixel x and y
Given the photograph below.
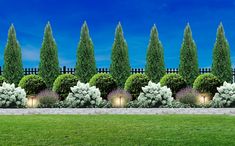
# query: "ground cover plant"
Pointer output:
{"type": "Point", "coordinates": [115, 130]}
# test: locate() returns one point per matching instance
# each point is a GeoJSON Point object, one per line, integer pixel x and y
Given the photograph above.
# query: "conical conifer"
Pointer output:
{"type": "Point", "coordinates": [49, 64]}
{"type": "Point", "coordinates": [85, 66]}
{"type": "Point", "coordinates": [120, 66]}
{"type": "Point", "coordinates": [12, 67]}
{"type": "Point", "coordinates": [155, 67]}
{"type": "Point", "coordinates": [221, 64]}
{"type": "Point", "coordinates": [188, 67]}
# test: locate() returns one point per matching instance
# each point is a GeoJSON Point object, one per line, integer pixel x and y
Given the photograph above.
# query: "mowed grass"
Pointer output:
{"type": "Point", "coordinates": [118, 130]}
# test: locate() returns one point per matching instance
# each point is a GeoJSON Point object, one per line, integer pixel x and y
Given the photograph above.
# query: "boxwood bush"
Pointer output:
{"type": "Point", "coordinates": [63, 83]}
{"type": "Point", "coordinates": [207, 83]}
{"type": "Point", "coordinates": [173, 81]}
{"type": "Point", "coordinates": [105, 82]}
{"type": "Point", "coordinates": [32, 84]}
{"type": "Point", "coordinates": [135, 83]}
{"type": "Point", "coordinates": [2, 79]}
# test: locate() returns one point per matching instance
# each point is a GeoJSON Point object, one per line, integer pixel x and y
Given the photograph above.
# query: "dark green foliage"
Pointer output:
{"type": "Point", "coordinates": [135, 83]}
{"type": "Point", "coordinates": [104, 82]}
{"type": "Point", "coordinates": [173, 81]}
{"type": "Point", "coordinates": [2, 79]}
{"type": "Point", "coordinates": [49, 64]}
{"type": "Point", "coordinates": [207, 83]}
{"type": "Point", "coordinates": [188, 67]}
{"type": "Point", "coordinates": [63, 83]}
{"type": "Point", "coordinates": [155, 67]}
{"type": "Point", "coordinates": [85, 66]}
{"type": "Point", "coordinates": [120, 66]}
{"type": "Point", "coordinates": [12, 67]}
{"type": "Point", "coordinates": [221, 65]}
{"type": "Point", "coordinates": [32, 84]}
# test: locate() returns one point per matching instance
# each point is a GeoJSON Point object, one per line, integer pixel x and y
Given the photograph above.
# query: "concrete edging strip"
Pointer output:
{"type": "Point", "coordinates": [120, 111]}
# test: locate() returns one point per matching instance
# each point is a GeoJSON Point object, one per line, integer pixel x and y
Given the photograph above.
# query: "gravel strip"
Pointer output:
{"type": "Point", "coordinates": [121, 111]}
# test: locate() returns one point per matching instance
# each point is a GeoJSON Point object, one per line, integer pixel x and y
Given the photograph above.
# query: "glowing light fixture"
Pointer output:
{"type": "Point", "coordinates": [32, 101]}
{"type": "Point", "coordinates": [204, 98]}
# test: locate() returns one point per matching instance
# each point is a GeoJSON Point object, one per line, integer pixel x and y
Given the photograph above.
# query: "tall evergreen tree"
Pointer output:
{"type": "Point", "coordinates": [221, 65]}
{"type": "Point", "coordinates": [49, 64]}
{"type": "Point", "coordinates": [85, 66]}
{"type": "Point", "coordinates": [120, 66]}
{"type": "Point", "coordinates": [155, 67]}
{"type": "Point", "coordinates": [12, 67]}
{"type": "Point", "coordinates": [188, 67]}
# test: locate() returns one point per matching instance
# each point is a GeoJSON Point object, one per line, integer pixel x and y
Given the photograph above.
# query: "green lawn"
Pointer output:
{"type": "Point", "coordinates": [128, 130]}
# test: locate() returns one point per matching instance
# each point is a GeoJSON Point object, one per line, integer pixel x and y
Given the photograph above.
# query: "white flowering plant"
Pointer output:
{"type": "Point", "coordinates": [225, 97]}
{"type": "Point", "coordinates": [154, 95]}
{"type": "Point", "coordinates": [12, 97]}
{"type": "Point", "coordinates": [83, 96]}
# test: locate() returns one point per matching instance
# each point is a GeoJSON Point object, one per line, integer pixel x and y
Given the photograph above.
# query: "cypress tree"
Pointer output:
{"type": "Point", "coordinates": [85, 66]}
{"type": "Point", "coordinates": [155, 67]}
{"type": "Point", "coordinates": [120, 66]}
{"type": "Point", "coordinates": [12, 67]}
{"type": "Point", "coordinates": [221, 64]}
{"type": "Point", "coordinates": [49, 64]}
{"type": "Point", "coordinates": [188, 67]}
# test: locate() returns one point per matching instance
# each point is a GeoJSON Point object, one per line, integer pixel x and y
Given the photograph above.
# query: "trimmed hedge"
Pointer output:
{"type": "Point", "coordinates": [135, 83]}
{"type": "Point", "coordinates": [105, 82]}
{"type": "Point", "coordinates": [32, 84]}
{"type": "Point", "coordinates": [173, 81]}
{"type": "Point", "coordinates": [207, 83]}
{"type": "Point", "coordinates": [63, 83]}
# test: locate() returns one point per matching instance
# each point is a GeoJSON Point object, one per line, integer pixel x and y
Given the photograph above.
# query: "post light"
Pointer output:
{"type": "Point", "coordinates": [32, 101]}
{"type": "Point", "coordinates": [204, 98]}
{"type": "Point", "coordinates": [120, 101]}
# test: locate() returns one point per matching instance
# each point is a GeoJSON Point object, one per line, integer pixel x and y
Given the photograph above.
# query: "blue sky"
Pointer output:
{"type": "Point", "coordinates": [136, 16]}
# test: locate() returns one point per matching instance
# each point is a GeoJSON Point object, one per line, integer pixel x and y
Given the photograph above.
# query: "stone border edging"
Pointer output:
{"type": "Point", "coordinates": [120, 111]}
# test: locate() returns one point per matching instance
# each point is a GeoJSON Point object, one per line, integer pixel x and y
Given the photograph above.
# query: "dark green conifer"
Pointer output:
{"type": "Point", "coordinates": [188, 67]}
{"type": "Point", "coordinates": [221, 64]}
{"type": "Point", "coordinates": [155, 67]}
{"type": "Point", "coordinates": [120, 66]}
{"type": "Point", "coordinates": [85, 66]}
{"type": "Point", "coordinates": [49, 64]}
{"type": "Point", "coordinates": [12, 67]}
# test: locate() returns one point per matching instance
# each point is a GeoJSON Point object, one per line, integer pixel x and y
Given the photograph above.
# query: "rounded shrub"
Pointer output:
{"type": "Point", "coordinates": [173, 81]}
{"type": "Point", "coordinates": [207, 83]}
{"type": "Point", "coordinates": [32, 84]}
{"type": "Point", "coordinates": [135, 83]}
{"type": "Point", "coordinates": [104, 82]}
{"type": "Point", "coordinates": [63, 83]}
{"type": "Point", "coordinates": [2, 79]}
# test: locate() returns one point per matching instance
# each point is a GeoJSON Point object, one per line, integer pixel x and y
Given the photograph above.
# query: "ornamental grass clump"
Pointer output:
{"type": "Point", "coordinates": [83, 96]}
{"type": "Point", "coordinates": [11, 97]}
{"type": "Point", "coordinates": [119, 98]}
{"type": "Point", "coordinates": [154, 95]}
{"type": "Point", "coordinates": [47, 99]}
{"type": "Point", "coordinates": [187, 96]}
{"type": "Point", "coordinates": [225, 97]}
